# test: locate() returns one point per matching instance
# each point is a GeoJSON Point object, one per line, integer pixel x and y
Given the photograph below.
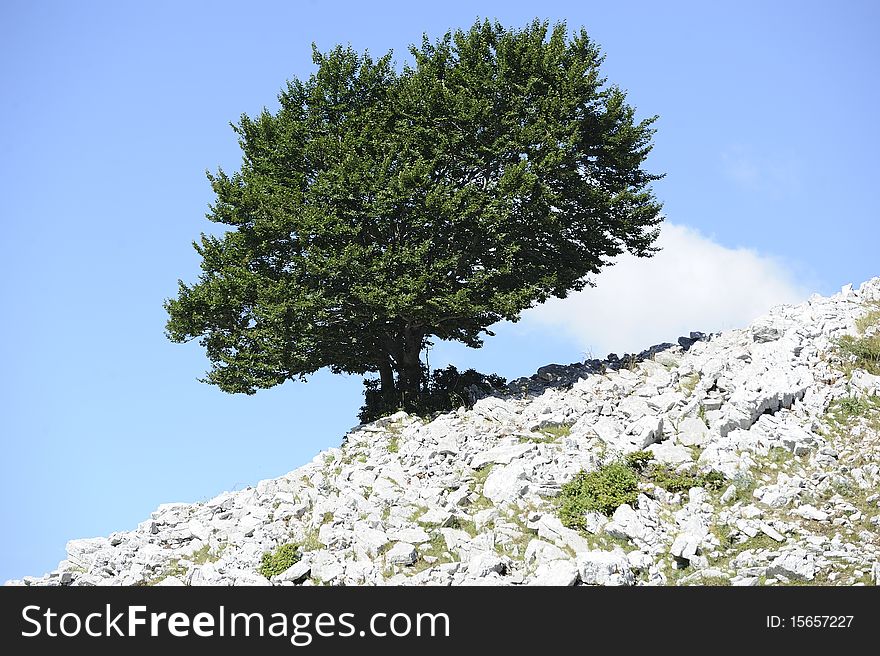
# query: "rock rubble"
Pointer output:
{"type": "Point", "coordinates": [469, 497]}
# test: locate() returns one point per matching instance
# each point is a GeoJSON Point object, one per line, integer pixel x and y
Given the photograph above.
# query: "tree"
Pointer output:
{"type": "Point", "coordinates": [377, 209]}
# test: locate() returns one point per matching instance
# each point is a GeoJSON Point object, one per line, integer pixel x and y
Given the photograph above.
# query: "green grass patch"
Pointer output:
{"type": "Point", "coordinates": [845, 413]}
{"type": "Point", "coordinates": [550, 433]}
{"type": "Point", "coordinates": [863, 351]}
{"type": "Point", "coordinates": [779, 455]}
{"type": "Point", "coordinates": [745, 485]}
{"type": "Point", "coordinates": [689, 383]}
{"type": "Point", "coordinates": [515, 547]}
{"type": "Point", "coordinates": [280, 559]}
{"type": "Point", "coordinates": [435, 554]}
{"type": "Point", "coordinates": [480, 503]}
{"type": "Point", "coordinates": [437, 546]}
{"type": "Point", "coordinates": [310, 542]}
{"type": "Point", "coordinates": [417, 512]}
{"type": "Point", "coordinates": [715, 581]}
{"type": "Point", "coordinates": [480, 475]}
{"type": "Point", "coordinates": [853, 407]}
{"type": "Point", "coordinates": [869, 320]}
{"type": "Point", "coordinates": [701, 414]}
{"type": "Point", "coordinates": [616, 483]}
{"type": "Point", "coordinates": [670, 479]}
{"type": "Point", "coordinates": [681, 481]}
{"type": "Point", "coordinates": [466, 525]}
{"type": "Point", "coordinates": [204, 555]}
{"type": "Point", "coordinates": [726, 535]}
{"type": "Point", "coordinates": [603, 490]}
{"type": "Point", "coordinates": [174, 568]}
{"type": "Point", "coordinates": [760, 541]}
{"type": "Point", "coordinates": [638, 460]}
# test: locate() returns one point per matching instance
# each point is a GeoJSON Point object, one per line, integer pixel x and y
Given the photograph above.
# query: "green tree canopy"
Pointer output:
{"type": "Point", "coordinates": [378, 208]}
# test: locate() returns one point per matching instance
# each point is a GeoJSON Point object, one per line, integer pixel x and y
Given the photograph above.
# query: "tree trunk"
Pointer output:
{"type": "Point", "coordinates": [409, 365]}
{"type": "Point", "coordinates": [386, 380]}
{"type": "Point", "coordinates": [410, 377]}
{"type": "Point", "coordinates": [403, 351]}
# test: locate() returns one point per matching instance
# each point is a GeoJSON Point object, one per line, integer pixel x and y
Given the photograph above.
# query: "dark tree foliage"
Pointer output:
{"type": "Point", "coordinates": [379, 208]}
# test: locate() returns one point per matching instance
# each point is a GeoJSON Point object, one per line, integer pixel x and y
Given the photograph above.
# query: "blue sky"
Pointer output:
{"type": "Point", "coordinates": [111, 113]}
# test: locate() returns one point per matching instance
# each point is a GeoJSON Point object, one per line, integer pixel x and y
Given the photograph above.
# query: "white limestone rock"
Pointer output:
{"type": "Point", "coordinates": [557, 573]}
{"type": "Point", "coordinates": [670, 454]}
{"type": "Point", "coordinates": [500, 454]}
{"type": "Point", "coordinates": [758, 413]}
{"type": "Point", "coordinates": [296, 573]}
{"type": "Point", "coordinates": [692, 431]}
{"type": "Point", "coordinates": [626, 524]}
{"type": "Point", "coordinates": [506, 483]}
{"type": "Point", "coordinates": [539, 552]}
{"type": "Point", "coordinates": [796, 564]}
{"type": "Point", "coordinates": [604, 568]}
{"type": "Point", "coordinates": [550, 528]}
{"type": "Point", "coordinates": [484, 563]}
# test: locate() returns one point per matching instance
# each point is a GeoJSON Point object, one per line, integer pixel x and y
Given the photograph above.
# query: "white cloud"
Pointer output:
{"type": "Point", "coordinates": [693, 283]}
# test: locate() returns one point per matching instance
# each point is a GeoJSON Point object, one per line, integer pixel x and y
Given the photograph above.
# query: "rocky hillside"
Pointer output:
{"type": "Point", "coordinates": [750, 457]}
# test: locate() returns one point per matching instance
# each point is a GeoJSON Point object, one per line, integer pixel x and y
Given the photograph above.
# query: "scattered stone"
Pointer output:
{"type": "Point", "coordinates": [729, 494]}
{"type": "Point", "coordinates": [626, 524]}
{"type": "Point", "coordinates": [415, 535]}
{"type": "Point", "coordinates": [692, 431]}
{"type": "Point", "coordinates": [326, 566]}
{"type": "Point", "coordinates": [796, 564]}
{"type": "Point", "coordinates": [472, 494]}
{"type": "Point", "coordinates": [170, 581]}
{"type": "Point", "coordinates": [670, 454]}
{"type": "Point", "coordinates": [765, 332]}
{"type": "Point", "coordinates": [646, 431]}
{"type": "Point", "coordinates": [868, 384]}
{"type": "Point", "coordinates": [604, 568]}
{"type": "Point", "coordinates": [560, 573]}
{"type": "Point", "coordinates": [402, 553]}
{"type": "Point", "coordinates": [539, 552]}
{"type": "Point", "coordinates": [809, 512]}
{"type": "Point", "coordinates": [502, 454]}
{"type": "Point", "coordinates": [550, 528]}
{"type": "Point", "coordinates": [686, 546]}
{"type": "Point", "coordinates": [484, 563]}
{"type": "Point", "coordinates": [296, 573]}
{"type": "Point", "coordinates": [771, 532]}
{"type": "Point", "coordinates": [505, 483]}
{"type": "Point", "coordinates": [436, 517]}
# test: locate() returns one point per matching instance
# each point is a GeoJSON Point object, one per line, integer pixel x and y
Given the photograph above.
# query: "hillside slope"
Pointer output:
{"type": "Point", "coordinates": [765, 446]}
